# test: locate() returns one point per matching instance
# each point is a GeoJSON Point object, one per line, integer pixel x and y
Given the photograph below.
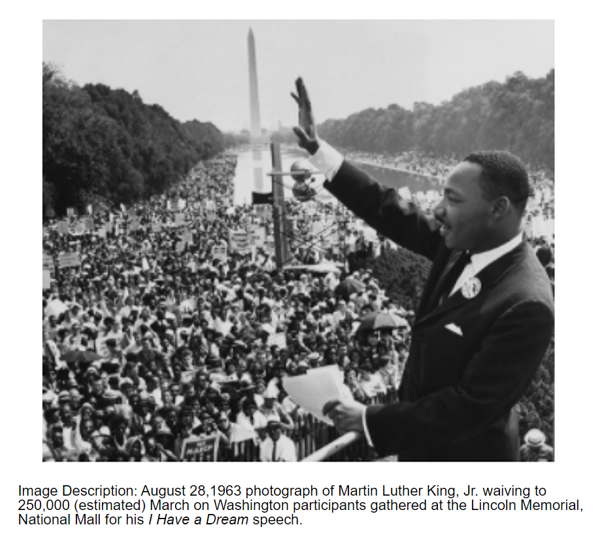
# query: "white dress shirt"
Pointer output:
{"type": "Point", "coordinates": [479, 261]}
{"type": "Point", "coordinates": [285, 449]}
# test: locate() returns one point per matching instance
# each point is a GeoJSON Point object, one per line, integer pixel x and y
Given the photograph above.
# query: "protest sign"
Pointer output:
{"type": "Point", "coordinates": [239, 241]}
{"type": "Point", "coordinates": [257, 237]}
{"type": "Point", "coordinates": [277, 339]}
{"type": "Point", "coordinates": [202, 448]}
{"type": "Point", "coordinates": [70, 212]}
{"type": "Point", "coordinates": [46, 279]}
{"type": "Point", "coordinates": [157, 227]}
{"type": "Point", "coordinates": [68, 260]}
{"type": "Point", "coordinates": [134, 224]}
{"type": "Point", "coordinates": [219, 252]}
{"type": "Point", "coordinates": [211, 215]}
{"type": "Point", "coordinates": [48, 263]}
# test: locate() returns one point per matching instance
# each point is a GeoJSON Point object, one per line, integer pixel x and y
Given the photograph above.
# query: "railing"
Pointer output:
{"type": "Point", "coordinates": [315, 441]}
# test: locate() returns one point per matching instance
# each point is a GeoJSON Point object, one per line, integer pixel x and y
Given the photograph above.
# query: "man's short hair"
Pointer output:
{"type": "Point", "coordinates": [503, 174]}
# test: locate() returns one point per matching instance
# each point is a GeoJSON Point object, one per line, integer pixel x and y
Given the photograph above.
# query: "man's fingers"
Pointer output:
{"type": "Point", "coordinates": [302, 90]}
{"type": "Point", "coordinates": [303, 94]}
{"type": "Point", "coordinates": [303, 138]}
{"type": "Point", "coordinates": [329, 407]}
{"type": "Point", "coordinates": [296, 98]}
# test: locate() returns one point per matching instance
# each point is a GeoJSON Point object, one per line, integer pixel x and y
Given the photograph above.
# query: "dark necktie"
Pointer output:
{"type": "Point", "coordinates": [274, 452]}
{"type": "Point", "coordinates": [448, 279]}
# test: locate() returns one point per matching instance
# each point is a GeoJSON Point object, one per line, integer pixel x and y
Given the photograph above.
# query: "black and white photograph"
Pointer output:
{"type": "Point", "coordinates": [305, 256]}
{"type": "Point", "coordinates": [283, 240]}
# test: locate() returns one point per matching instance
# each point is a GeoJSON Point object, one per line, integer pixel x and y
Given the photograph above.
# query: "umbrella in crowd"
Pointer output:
{"type": "Point", "coordinates": [80, 357]}
{"type": "Point", "coordinates": [378, 321]}
{"type": "Point", "coordinates": [349, 286]}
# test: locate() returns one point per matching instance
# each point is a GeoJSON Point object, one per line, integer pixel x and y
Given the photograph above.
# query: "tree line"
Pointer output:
{"type": "Point", "coordinates": [517, 115]}
{"type": "Point", "coordinates": [102, 145]}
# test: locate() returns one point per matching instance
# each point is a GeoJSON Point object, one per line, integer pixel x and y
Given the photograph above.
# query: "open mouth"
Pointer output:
{"type": "Point", "coordinates": [444, 229]}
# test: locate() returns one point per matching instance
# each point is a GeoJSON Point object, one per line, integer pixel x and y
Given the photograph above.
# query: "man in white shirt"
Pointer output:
{"type": "Point", "coordinates": [277, 447]}
{"type": "Point", "coordinates": [486, 316]}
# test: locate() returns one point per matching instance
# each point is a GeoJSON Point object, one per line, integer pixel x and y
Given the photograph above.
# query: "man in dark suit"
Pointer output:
{"type": "Point", "coordinates": [485, 318]}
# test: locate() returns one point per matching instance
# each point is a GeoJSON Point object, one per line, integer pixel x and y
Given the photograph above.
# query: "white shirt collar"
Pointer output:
{"type": "Point", "coordinates": [482, 260]}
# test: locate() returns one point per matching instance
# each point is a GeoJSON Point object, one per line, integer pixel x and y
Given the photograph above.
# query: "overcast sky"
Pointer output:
{"type": "Point", "coordinates": [199, 69]}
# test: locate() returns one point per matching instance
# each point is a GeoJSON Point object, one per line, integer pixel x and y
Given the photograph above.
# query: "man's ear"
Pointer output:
{"type": "Point", "coordinates": [501, 207]}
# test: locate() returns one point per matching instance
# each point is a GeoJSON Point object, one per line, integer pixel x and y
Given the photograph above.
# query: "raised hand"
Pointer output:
{"type": "Point", "coordinates": [306, 130]}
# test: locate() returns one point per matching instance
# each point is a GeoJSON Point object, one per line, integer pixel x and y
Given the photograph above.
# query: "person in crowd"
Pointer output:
{"type": "Point", "coordinates": [277, 446]}
{"type": "Point", "coordinates": [535, 447]}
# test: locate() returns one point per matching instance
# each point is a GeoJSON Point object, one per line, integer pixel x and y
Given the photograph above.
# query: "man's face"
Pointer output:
{"type": "Point", "coordinates": [58, 439]}
{"type": "Point", "coordinates": [464, 214]}
{"type": "Point", "coordinates": [275, 433]}
{"type": "Point", "coordinates": [97, 386]}
{"type": "Point", "coordinates": [120, 429]}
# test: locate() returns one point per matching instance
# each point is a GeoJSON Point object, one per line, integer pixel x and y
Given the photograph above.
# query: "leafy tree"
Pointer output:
{"type": "Point", "coordinates": [106, 144]}
{"type": "Point", "coordinates": [517, 115]}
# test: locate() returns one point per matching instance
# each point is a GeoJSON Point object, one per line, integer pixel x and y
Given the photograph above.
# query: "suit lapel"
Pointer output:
{"type": "Point", "coordinates": [441, 260]}
{"type": "Point", "coordinates": [488, 277]}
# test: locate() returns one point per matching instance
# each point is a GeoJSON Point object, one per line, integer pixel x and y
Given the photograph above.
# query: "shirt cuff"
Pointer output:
{"type": "Point", "coordinates": [327, 160]}
{"type": "Point", "coordinates": [365, 428]}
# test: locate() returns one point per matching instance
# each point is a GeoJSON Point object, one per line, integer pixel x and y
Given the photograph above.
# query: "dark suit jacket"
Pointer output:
{"type": "Point", "coordinates": [458, 391]}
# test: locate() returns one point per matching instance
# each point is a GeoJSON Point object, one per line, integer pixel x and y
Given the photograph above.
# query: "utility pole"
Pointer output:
{"type": "Point", "coordinates": [278, 210]}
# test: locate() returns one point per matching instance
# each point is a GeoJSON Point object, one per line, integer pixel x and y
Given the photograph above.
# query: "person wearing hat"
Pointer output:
{"type": "Point", "coordinates": [272, 410]}
{"type": "Point", "coordinates": [486, 316]}
{"type": "Point", "coordinates": [535, 447]}
{"type": "Point", "coordinates": [277, 446]}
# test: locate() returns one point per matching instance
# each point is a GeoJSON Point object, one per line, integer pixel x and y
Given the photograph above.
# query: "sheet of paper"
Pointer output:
{"type": "Point", "coordinates": [313, 390]}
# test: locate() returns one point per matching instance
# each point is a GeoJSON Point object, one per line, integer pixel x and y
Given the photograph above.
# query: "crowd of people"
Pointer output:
{"type": "Point", "coordinates": [166, 340]}
{"type": "Point", "coordinates": [411, 161]}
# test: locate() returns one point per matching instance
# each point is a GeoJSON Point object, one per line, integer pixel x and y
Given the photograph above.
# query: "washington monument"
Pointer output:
{"type": "Point", "coordinates": [253, 91]}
